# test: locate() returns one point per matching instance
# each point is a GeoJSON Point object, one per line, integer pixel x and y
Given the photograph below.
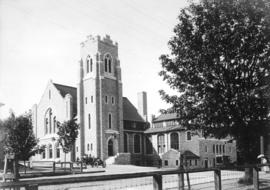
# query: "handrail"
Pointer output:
{"type": "Point", "coordinates": [76, 179]}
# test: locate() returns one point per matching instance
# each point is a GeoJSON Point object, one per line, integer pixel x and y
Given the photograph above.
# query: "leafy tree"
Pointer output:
{"type": "Point", "coordinates": [20, 138]}
{"type": "Point", "coordinates": [68, 133]}
{"type": "Point", "coordinates": [220, 56]}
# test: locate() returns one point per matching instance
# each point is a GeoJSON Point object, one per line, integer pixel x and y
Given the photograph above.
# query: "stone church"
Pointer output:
{"type": "Point", "coordinates": [111, 128]}
{"type": "Point", "coordinates": [110, 125]}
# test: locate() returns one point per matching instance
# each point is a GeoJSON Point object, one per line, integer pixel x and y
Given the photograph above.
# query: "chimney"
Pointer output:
{"type": "Point", "coordinates": [142, 104]}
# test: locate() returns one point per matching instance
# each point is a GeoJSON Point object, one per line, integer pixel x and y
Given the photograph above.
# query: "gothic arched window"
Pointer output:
{"type": "Point", "coordinates": [54, 124]}
{"type": "Point", "coordinates": [137, 143]}
{"type": "Point", "coordinates": [88, 64]}
{"type": "Point", "coordinates": [57, 150]}
{"type": "Point", "coordinates": [174, 141]}
{"type": "Point", "coordinates": [48, 121]}
{"type": "Point", "coordinates": [108, 63]}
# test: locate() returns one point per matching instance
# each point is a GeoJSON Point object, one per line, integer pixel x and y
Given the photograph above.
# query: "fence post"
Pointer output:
{"type": "Point", "coordinates": [181, 182]}
{"type": "Point", "coordinates": [217, 176]}
{"type": "Point", "coordinates": [255, 178]}
{"type": "Point", "coordinates": [157, 182]}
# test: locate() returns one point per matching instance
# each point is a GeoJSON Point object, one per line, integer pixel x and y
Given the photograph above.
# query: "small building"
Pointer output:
{"type": "Point", "coordinates": [167, 134]}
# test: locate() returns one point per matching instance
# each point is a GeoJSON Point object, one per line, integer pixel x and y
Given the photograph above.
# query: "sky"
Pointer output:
{"type": "Point", "coordinates": [40, 40]}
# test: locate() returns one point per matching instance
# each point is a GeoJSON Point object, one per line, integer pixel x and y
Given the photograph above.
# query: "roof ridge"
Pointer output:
{"type": "Point", "coordinates": [64, 85]}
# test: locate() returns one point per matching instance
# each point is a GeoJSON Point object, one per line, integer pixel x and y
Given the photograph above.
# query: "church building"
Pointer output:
{"type": "Point", "coordinates": [109, 123]}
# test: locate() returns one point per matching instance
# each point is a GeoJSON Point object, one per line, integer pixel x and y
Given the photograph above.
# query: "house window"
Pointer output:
{"type": "Point", "coordinates": [220, 147]}
{"type": "Point", "coordinates": [190, 162]}
{"type": "Point", "coordinates": [88, 147]}
{"type": "Point", "coordinates": [106, 99]}
{"type": "Point", "coordinates": [85, 100]}
{"type": "Point", "coordinates": [91, 146]}
{"type": "Point", "coordinates": [112, 100]}
{"type": "Point", "coordinates": [196, 163]}
{"type": "Point", "coordinates": [92, 99]}
{"type": "Point", "coordinates": [161, 143]}
{"type": "Point", "coordinates": [166, 162]}
{"type": "Point", "coordinates": [50, 151]}
{"type": "Point", "coordinates": [223, 149]}
{"type": "Point", "coordinates": [214, 148]}
{"type": "Point", "coordinates": [174, 141]}
{"type": "Point", "coordinates": [89, 121]}
{"type": "Point", "coordinates": [188, 135]}
{"type": "Point", "coordinates": [48, 121]}
{"type": "Point", "coordinates": [137, 143]}
{"type": "Point", "coordinates": [176, 162]}
{"type": "Point", "coordinates": [205, 148]}
{"type": "Point", "coordinates": [110, 121]}
{"type": "Point", "coordinates": [46, 125]}
{"type": "Point", "coordinates": [125, 142]}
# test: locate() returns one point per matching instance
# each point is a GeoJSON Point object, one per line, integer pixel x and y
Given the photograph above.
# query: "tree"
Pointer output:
{"type": "Point", "coordinates": [68, 133]}
{"type": "Point", "coordinates": [20, 139]}
{"type": "Point", "coordinates": [220, 55]}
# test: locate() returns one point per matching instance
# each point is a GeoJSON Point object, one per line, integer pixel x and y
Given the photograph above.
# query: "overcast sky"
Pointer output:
{"type": "Point", "coordinates": [40, 40]}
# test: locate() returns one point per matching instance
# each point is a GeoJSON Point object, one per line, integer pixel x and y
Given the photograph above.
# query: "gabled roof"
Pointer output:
{"type": "Point", "coordinates": [64, 90]}
{"type": "Point", "coordinates": [166, 117]}
{"type": "Point", "coordinates": [130, 113]}
{"type": "Point", "coordinates": [189, 155]}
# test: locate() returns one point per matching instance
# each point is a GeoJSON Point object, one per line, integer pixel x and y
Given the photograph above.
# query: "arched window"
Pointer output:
{"type": "Point", "coordinates": [125, 142]}
{"type": "Point", "coordinates": [108, 63]}
{"type": "Point", "coordinates": [91, 65]}
{"type": "Point", "coordinates": [88, 64]}
{"type": "Point", "coordinates": [48, 121]}
{"type": "Point", "coordinates": [50, 151]}
{"type": "Point", "coordinates": [175, 141]}
{"type": "Point", "coordinates": [54, 124]}
{"type": "Point", "coordinates": [137, 143]}
{"type": "Point", "coordinates": [57, 151]}
{"type": "Point", "coordinates": [110, 121]}
{"type": "Point", "coordinates": [89, 121]}
{"type": "Point", "coordinates": [161, 143]}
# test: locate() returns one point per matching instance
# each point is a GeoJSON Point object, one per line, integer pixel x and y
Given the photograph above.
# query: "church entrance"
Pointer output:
{"type": "Point", "coordinates": [110, 147]}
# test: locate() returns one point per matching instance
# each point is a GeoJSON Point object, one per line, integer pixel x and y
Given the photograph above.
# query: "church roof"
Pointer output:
{"type": "Point", "coordinates": [64, 90]}
{"type": "Point", "coordinates": [130, 113]}
{"type": "Point", "coordinates": [166, 117]}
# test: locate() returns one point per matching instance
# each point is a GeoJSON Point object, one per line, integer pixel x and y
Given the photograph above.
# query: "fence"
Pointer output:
{"type": "Point", "coordinates": [157, 177]}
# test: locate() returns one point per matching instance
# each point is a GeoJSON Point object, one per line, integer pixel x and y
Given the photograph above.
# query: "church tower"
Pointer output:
{"type": "Point", "coordinates": [100, 113]}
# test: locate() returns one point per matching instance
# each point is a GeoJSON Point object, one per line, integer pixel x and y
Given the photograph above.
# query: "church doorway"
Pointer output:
{"type": "Point", "coordinates": [110, 148]}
